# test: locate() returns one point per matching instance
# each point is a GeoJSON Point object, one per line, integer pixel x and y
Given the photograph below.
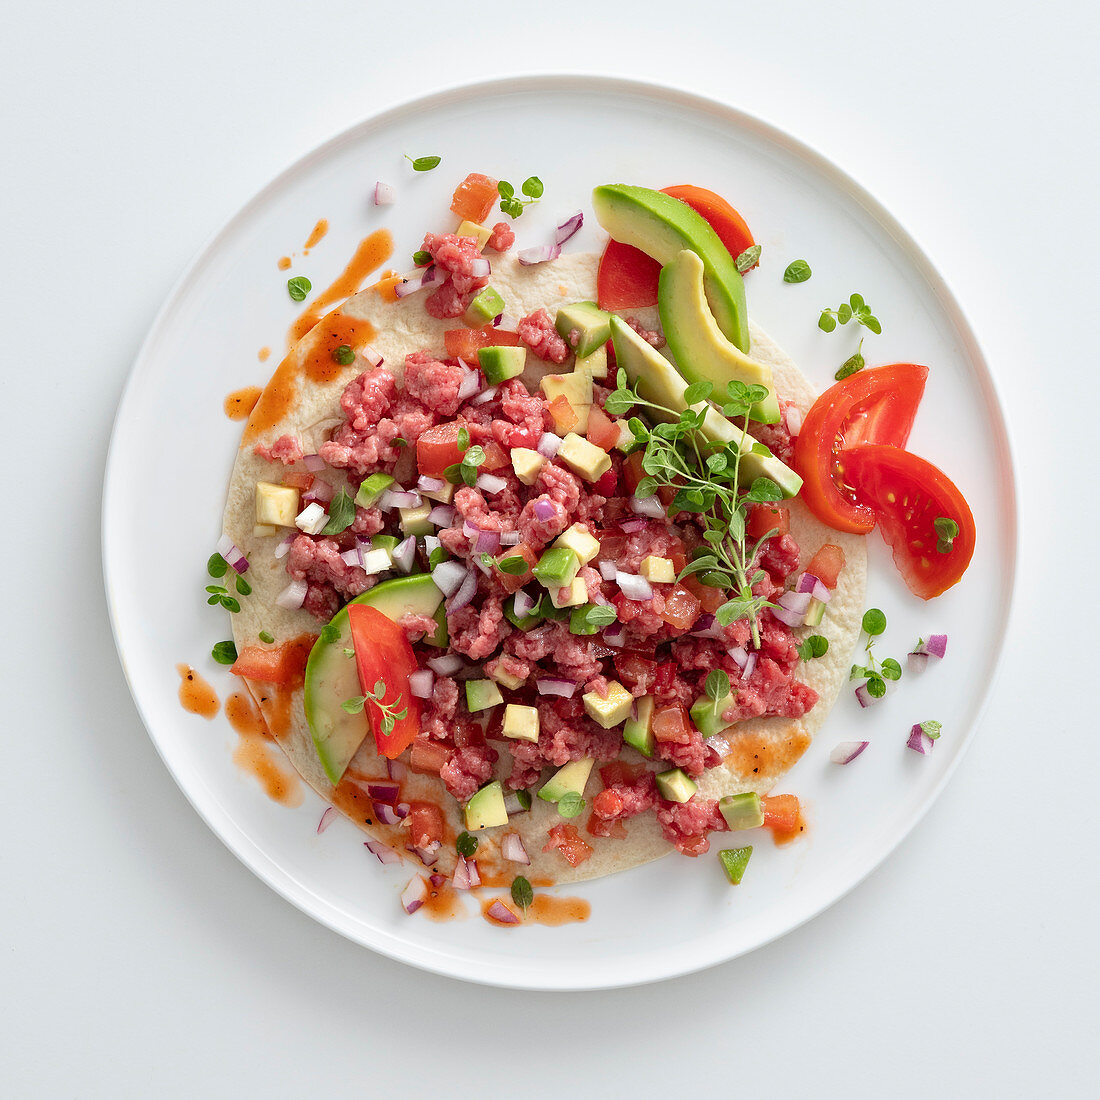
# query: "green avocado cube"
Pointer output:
{"type": "Point", "coordinates": [734, 862]}
{"type": "Point", "coordinates": [500, 364]}
{"type": "Point", "coordinates": [522, 622]}
{"type": "Point", "coordinates": [439, 637]}
{"type": "Point", "coordinates": [385, 542]}
{"type": "Point", "coordinates": [486, 304]}
{"type": "Point", "coordinates": [676, 785]}
{"type": "Point", "coordinates": [486, 808]}
{"type": "Point", "coordinates": [638, 732]}
{"type": "Point", "coordinates": [742, 811]}
{"type": "Point", "coordinates": [557, 567]}
{"type": "Point", "coordinates": [481, 695]}
{"type": "Point", "coordinates": [571, 777]}
{"type": "Point", "coordinates": [815, 613]}
{"type": "Point", "coordinates": [371, 490]}
{"type": "Point", "coordinates": [590, 323]}
{"type": "Point", "coordinates": [706, 714]}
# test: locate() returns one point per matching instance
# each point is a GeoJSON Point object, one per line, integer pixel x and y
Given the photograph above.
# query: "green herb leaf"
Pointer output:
{"type": "Point", "coordinates": [619, 402]}
{"type": "Point", "coordinates": [217, 589]}
{"type": "Point", "coordinates": [764, 490]}
{"type": "Point", "coordinates": [355, 705]}
{"type": "Point", "coordinates": [876, 686]}
{"type": "Point", "coordinates": [872, 323]}
{"type": "Point", "coordinates": [512, 207]}
{"type": "Point", "coordinates": [213, 600]}
{"type": "Point", "coordinates": [814, 646]}
{"type": "Point", "coordinates": [341, 512]}
{"type": "Point", "coordinates": [717, 685]}
{"type": "Point", "coordinates": [349, 653]}
{"type": "Point", "coordinates": [344, 355]}
{"type": "Point", "coordinates": [947, 530]}
{"type": "Point", "coordinates": [436, 557]}
{"type": "Point", "coordinates": [856, 302]}
{"type": "Point", "coordinates": [826, 322]}
{"type": "Point", "coordinates": [532, 186]}
{"type": "Point", "coordinates": [230, 604]}
{"type": "Point", "coordinates": [216, 566]}
{"type": "Point", "coordinates": [225, 653]}
{"type": "Point", "coordinates": [379, 690]}
{"type": "Point", "coordinates": [421, 258]}
{"type": "Point", "coordinates": [423, 164]}
{"type": "Point", "coordinates": [798, 271]}
{"type": "Point", "coordinates": [570, 804]}
{"type": "Point", "coordinates": [505, 189]}
{"type": "Point", "coordinates": [590, 618]}
{"type": "Point", "coordinates": [330, 633]}
{"type": "Point", "coordinates": [844, 313]}
{"type": "Point", "coordinates": [522, 894]}
{"type": "Point", "coordinates": [932, 729]}
{"type": "Point", "coordinates": [298, 287]}
{"type": "Point", "coordinates": [748, 259]}
{"type": "Point", "coordinates": [851, 365]}
{"type": "Point", "coordinates": [466, 844]}
{"type": "Point", "coordinates": [243, 587]}
{"type": "Point", "coordinates": [891, 670]}
{"type": "Point", "coordinates": [514, 566]}
{"type": "Point", "coordinates": [698, 391]}
{"type": "Point", "coordinates": [874, 622]}
{"type": "Point", "coordinates": [266, 637]}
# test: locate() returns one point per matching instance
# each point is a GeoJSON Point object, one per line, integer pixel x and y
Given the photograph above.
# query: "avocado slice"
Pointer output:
{"type": "Point", "coordinates": [658, 380]}
{"type": "Point", "coordinates": [481, 695]}
{"type": "Point", "coordinates": [591, 322]}
{"type": "Point", "coordinates": [570, 777]}
{"type": "Point", "coordinates": [498, 364]}
{"type": "Point", "coordinates": [676, 785]}
{"type": "Point", "coordinates": [706, 715]}
{"type": "Point", "coordinates": [663, 226]}
{"type": "Point", "coordinates": [440, 636]}
{"type": "Point", "coordinates": [638, 732]}
{"type": "Point", "coordinates": [486, 808]}
{"type": "Point", "coordinates": [701, 351]}
{"type": "Point", "coordinates": [331, 676]}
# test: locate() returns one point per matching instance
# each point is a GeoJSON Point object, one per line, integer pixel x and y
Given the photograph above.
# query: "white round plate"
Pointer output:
{"type": "Point", "coordinates": [173, 448]}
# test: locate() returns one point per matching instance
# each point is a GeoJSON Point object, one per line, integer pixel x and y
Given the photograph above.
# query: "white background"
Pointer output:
{"type": "Point", "coordinates": [138, 958]}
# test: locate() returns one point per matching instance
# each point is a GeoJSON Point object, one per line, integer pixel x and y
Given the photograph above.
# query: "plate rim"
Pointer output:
{"type": "Point", "coordinates": [239, 842]}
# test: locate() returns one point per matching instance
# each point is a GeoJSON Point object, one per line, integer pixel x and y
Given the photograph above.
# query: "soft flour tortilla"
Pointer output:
{"type": "Point", "coordinates": [761, 750]}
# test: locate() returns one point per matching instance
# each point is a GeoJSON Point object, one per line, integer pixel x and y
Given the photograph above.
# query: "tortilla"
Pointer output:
{"type": "Point", "coordinates": [762, 750]}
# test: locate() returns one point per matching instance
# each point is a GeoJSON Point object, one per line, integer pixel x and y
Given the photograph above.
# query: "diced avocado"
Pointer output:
{"type": "Point", "coordinates": [486, 808]}
{"type": "Point", "coordinates": [734, 862]}
{"type": "Point", "coordinates": [658, 570]}
{"type": "Point", "coordinates": [527, 464]}
{"type": "Point", "coordinates": [638, 732]}
{"type": "Point", "coordinates": [385, 542]}
{"type": "Point", "coordinates": [371, 490]}
{"type": "Point", "coordinates": [442, 496]}
{"type": "Point", "coordinates": [626, 438]}
{"type": "Point", "coordinates": [263, 530]}
{"type": "Point", "coordinates": [570, 595]}
{"type": "Point", "coordinates": [467, 228]}
{"type": "Point", "coordinates": [662, 227]}
{"type": "Point", "coordinates": [611, 709]}
{"type": "Point", "coordinates": [440, 637]}
{"type": "Point", "coordinates": [701, 351]}
{"type": "Point", "coordinates": [557, 567]}
{"type": "Point", "coordinates": [591, 324]}
{"type": "Point", "coordinates": [498, 364]}
{"type": "Point", "coordinates": [814, 613]}
{"type": "Point", "coordinates": [706, 714]}
{"type": "Point", "coordinates": [657, 380]}
{"type": "Point", "coordinates": [276, 505]}
{"type": "Point", "coordinates": [580, 539]}
{"type": "Point", "coordinates": [521, 723]}
{"type": "Point", "coordinates": [414, 521]}
{"type": "Point", "coordinates": [522, 622]}
{"type": "Point", "coordinates": [332, 678]}
{"type": "Point", "coordinates": [507, 679]}
{"type": "Point", "coordinates": [595, 364]}
{"type": "Point", "coordinates": [484, 306]}
{"type": "Point", "coordinates": [742, 811]}
{"type": "Point", "coordinates": [676, 785]}
{"type": "Point", "coordinates": [481, 695]}
{"type": "Point", "coordinates": [572, 777]}
{"type": "Point", "coordinates": [576, 388]}
{"type": "Point", "coordinates": [583, 458]}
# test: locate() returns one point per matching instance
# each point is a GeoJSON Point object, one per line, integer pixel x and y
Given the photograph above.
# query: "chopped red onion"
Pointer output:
{"type": "Point", "coordinates": [509, 538]}
{"type": "Point", "coordinates": [386, 814]}
{"type": "Point", "coordinates": [470, 384]}
{"type": "Point", "coordinates": [485, 542]}
{"type": "Point", "coordinates": [327, 818]}
{"type": "Point", "coordinates": [539, 255]}
{"type": "Point", "coordinates": [500, 912]}
{"type": "Point", "coordinates": [400, 498]}
{"type": "Point", "coordinates": [384, 792]}
{"type": "Point", "coordinates": [847, 751]}
{"type": "Point", "coordinates": [512, 849]}
{"type": "Point", "coordinates": [465, 594]}
{"type": "Point", "coordinates": [235, 556]}
{"type": "Point", "coordinates": [740, 656]}
{"type": "Point", "coordinates": [448, 576]}
{"type": "Point", "coordinates": [437, 880]}
{"type": "Point", "coordinates": [614, 635]}
{"type": "Point", "coordinates": [866, 699]}
{"type": "Point", "coordinates": [384, 852]}
{"type": "Point", "coordinates": [431, 544]}
{"type": "Point", "coordinates": [464, 874]}
{"type": "Point", "coordinates": [420, 683]}
{"type": "Point", "coordinates": [396, 770]}
{"type": "Point", "coordinates": [486, 397]}
{"type": "Point", "coordinates": [650, 506]}
{"type": "Point", "coordinates": [480, 268]}
{"type": "Point", "coordinates": [936, 645]}
{"type": "Point", "coordinates": [548, 445]}
{"type": "Point", "coordinates": [524, 603]}
{"type": "Point", "coordinates": [633, 526]}
{"type": "Point", "coordinates": [371, 356]}
{"type": "Point", "coordinates": [414, 894]}
{"type": "Point", "coordinates": [564, 688]}
{"type": "Point", "coordinates": [283, 548]}
{"type": "Point", "coordinates": [420, 279]}
{"type": "Point", "coordinates": [919, 741]}
{"type": "Point", "coordinates": [475, 875]}
{"type": "Point", "coordinates": [917, 660]}
{"type": "Point", "coordinates": [792, 608]}
{"type": "Point", "coordinates": [430, 484]}
{"type": "Point", "coordinates": [293, 596]}
{"type": "Point", "coordinates": [568, 227]}
{"type": "Point", "coordinates": [506, 322]}
{"type": "Point", "coordinates": [750, 665]}
{"type": "Point", "coordinates": [792, 416]}
{"type": "Point", "coordinates": [634, 586]}
{"type": "Point", "coordinates": [351, 557]}
{"type": "Point", "coordinates": [544, 510]}
{"type": "Point", "coordinates": [491, 484]}
{"type": "Point", "coordinates": [608, 570]}
{"type": "Point", "coordinates": [447, 665]}
{"type": "Point", "coordinates": [320, 492]}
{"type": "Point", "coordinates": [442, 515]}
{"type": "Point", "coordinates": [806, 583]}
{"type": "Point", "coordinates": [404, 554]}
{"type": "Point", "coordinates": [719, 744]}
{"type": "Point", "coordinates": [427, 855]}
{"type": "Point", "coordinates": [384, 194]}
{"type": "Point", "coordinates": [313, 463]}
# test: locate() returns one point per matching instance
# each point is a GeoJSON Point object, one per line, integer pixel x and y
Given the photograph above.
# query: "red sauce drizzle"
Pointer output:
{"type": "Point", "coordinates": [196, 695]}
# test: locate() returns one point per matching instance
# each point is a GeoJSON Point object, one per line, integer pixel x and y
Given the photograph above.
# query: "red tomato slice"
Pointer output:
{"type": "Point", "coordinates": [474, 197]}
{"type": "Point", "coordinates": [874, 406]}
{"type": "Point", "coordinates": [463, 343]}
{"type": "Point", "coordinates": [627, 277]}
{"type": "Point", "coordinates": [437, 448]}
{"type": "Point", "coordinates": [767, 517]}
{"type": "Point", "coordinates": [602, 432]}
{"type": "Point", "coordinates": [907, 494]}
{"type": "Point", "coordinates": [568, 841]}
{"type": "Point", "coordinates": [382, 652]}
{"type": "Point", "coordinates": [284, 665]}
{"type": "Point", "coordinates": [425, 821]}
{"type": "Point", "coordinates": [826, 564]}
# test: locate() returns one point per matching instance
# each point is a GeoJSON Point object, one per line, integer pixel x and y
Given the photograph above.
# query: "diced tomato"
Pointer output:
{"type": "Point", "coordinates": [428, 756]}
{"type": "Point", "coordinates": [877, 405]}
{"type": "Point", "coordinates": [620, 773]}
{"type": "Point", "coordinates": [826, 564]}
{"type": "Point", "coordinates": [301, 481]}
{"type": "Point", "coordinates": [907, 495]}
{"type": "Point", "coordinates": [437, 448]}
{"type": "Point", "coordinates": [602, 431]}
{"type": "Point", "coordinates": [568, 841]}
{"type": "Point", "coordinates": [634, 669]}
{"type": "Point", "coordinates": [564, 415]}
{"type": "Point", "coordinates": [425, 821]}
{"type": "Point", "coordinates": [632, 470]}
{"type": "Point", "coordinates": [606, 484]}
{"type": "Point", "coordinates": [671, 724]}
{"type": "Point", "coordinates": [665, 677]}
{"type": "Point", "coordinates": [677, 553]}
{"type": "Point", "coordinates": [681, 608]}
{"type": "Point", "coordinates": [514, 582]}
{"type": "Point", "coordinates": [767, 517]}
{"type": "Point", "coordinates": [496, 458]}
{"type": "Point", "coordinates": [501, 338]}
{"type": "Point", "coordinates": [693, 845]}
{"type": "Point", "coordinates": [284, 665]}
{"type": "Point", "coordinates": [608, 803]}
{"type": "Point", "coordinates": [474, 197]}
{"type": "Point", "coordinates": [710, 599]}
{"type": "Point", "coordinates": [383, 653]}
{"type": "Point", "coordinates": [463, 343]}
{"type": "Point", "coordinates": [606, 827]}
{"type": "Point", "coordinates": [781, 811]}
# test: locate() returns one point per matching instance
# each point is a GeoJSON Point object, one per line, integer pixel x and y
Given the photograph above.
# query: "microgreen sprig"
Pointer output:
{"type": "Point", "coordinates": [947, 531]}
{"type": "Point", "coordinates": [875, 674]}
{"type": "Point", "coordinates": [514, 207]}
{"type": "Point", "coordinates": [390, 715]}
{"type": "Point", "coordinates": [851, 365]}
{"type": "Point", "coordinates": [522, 893]}
{"type": "Point", "coordinates": [855, 308]}
{"type": "Point", "coordinates": [423, 164]}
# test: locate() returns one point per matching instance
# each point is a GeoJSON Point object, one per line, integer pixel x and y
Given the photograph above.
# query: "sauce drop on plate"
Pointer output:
{"type": "Point", "coordinates": [240, 403]}
{"type": "Point", "coordinates": [548, 909]}
{"type": "Point", "coordinates": [316, 234]}
{"type": "Point", "coordinates": [263, 354]}
{"type": "Point", "coordinates": [196, 695]}
{"type": "Point", "coordinates": [284, 263]}
{"type": "Point", "coordinates": [255, 753]}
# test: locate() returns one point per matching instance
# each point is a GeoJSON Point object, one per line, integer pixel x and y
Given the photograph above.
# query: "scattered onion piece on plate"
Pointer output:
{"type": "Point", "coordinates": [847, 751]}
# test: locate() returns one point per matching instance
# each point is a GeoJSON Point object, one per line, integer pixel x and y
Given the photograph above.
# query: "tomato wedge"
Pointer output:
{"type": "Point", "coordinates": [383, 653]}
{"type": "Point", "coordinates": [285, 665]}
{"type": "Point", "coordinates": [437, 448]}
{"type": "Point", "coordinates": [874, 406]}
{"type": "Point", "coordinates": [627, 277]}
{"type": "Point", "coordinates": [907, 494]}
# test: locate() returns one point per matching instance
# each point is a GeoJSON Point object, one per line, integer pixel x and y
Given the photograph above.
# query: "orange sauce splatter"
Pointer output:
{"type": "Point", "coordinates": [318, 231]}
{"type": "Point", "coordinates": [276, 700]}
{"type": "Point", "coordinates": [443, 903]}
{"type": "Point", "coordinates": [284, 263]}
{"type": "Point", "coordinates": [755, 755]}
{"type": "Point", "coordinates": [255, 755]}
{"type": "Point", "coordinates": [548, 909]}
{"type": "Point", "coordinates": [264, 354]}
{"type": "Point", "coordinates": [386, 287]}
{"type": "Point", "coordinates": [196, 695]}
{"type": "Point", "coordinates": [240, 403]}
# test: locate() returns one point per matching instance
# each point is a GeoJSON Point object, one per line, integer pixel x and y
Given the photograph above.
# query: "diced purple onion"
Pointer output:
{"type": "Point", "coordinates": [235, 556]}
{"type": "Point", "coordinates": [500, 912]}
{"type": "Point", "coordinates": [512, 849]}
{"type": "Point", "coordinates": [320, 491]}
{"type": "Point", "coordinates": [420, 683]}
{"type": "Point", "coordinates": [470, 384]}
{"type": "Point", "coordinates": [491, 484]}
{"type": "Point", "coordinates": [524, 603]}
{"type": "Point", "coordinates": [371, 356]}
{"type": "Point", "coordinates": [283, 548]}
{"type": "Point", "coordinates": [718, 744]}
{"type": "Point", "coordinates": [404, 554]}
{"type": "Point", "coordinates": [792, 608]}
{"type": "Point", "coordinates": [293, 596]}
{"type": "Point", "coordinates": [634, 586]}
{"type": "Point", "coordinates": [400, 498]}
{"type": "Point", "coordinates": [936, 645]}
{"type": "Point", "coordinates": [608, 569]}
{"type": "Point", "coordinates": [430, 484]}
{"type": "Point", "coordinates": [792, 416]}
{"type": "Point", "coordinates": [396, 770]}
{"type": "Point", "coordinates": [447, 665]}
{"type": "Point", "coordinates": [414, 894]}
{"type": "Point", "coordinates": [384, 194]}
{"type": "Point", "coordinates": [384, 792]}
{"type": "Point", "coordinates": [437, 880]}
{"type": "Point", "coordinates": [539, 255]}
{"type": "Point", "coordinates": [327, 818]}
{"type": "Point", "coordinates": [351, 557]}
{"type": "Point", "coordinates": [485, 397]}
{"type": "Point", "coordinates": [614, 635]}
{"type": "Point", "coordinates": [506, 322]}
{"type": "Point", "coordinates": [465, 871]}
{"type": "Point", "coordinates": [548, 445]}
{"type": "Point", "coordinates": [544, 510]}
{"type": "Point", "coordinates": [919, 741]}
{"type": "Point", "coordinates": [384, 852]}
{"type": "Point", "coordinates": [465, 594]}
{"type": "Point", "coordinates": [866, 699]}
{"type": "Point", "coordinates": [847, 751]}
{"type": "Point", "coordinates": [480, 268]}
{"type": "Point", "coordinates": [420, 279]}
{"type": "Point", "coordinates": [431, 544]}
{"type": "Point", "coordinates": [917, 660]}
{"type": "Point", "coordinates": [568, 227]}
{"type": "Point", "coordinates": [740, 656]}
{"type": "Point", "coordinates": [509, 538]}
{"type": "Point", "coordinates": [633, 526]}
{"type": "Point", "coordinates": [313, 463]}
{"type": "Point", "coordinates": [564, 688]}
{"type": "Point", "coordinates": [485, 542]}
{"type": "Point", "coordinates": [386, 814]}
{"type": "Point", "coordinates": [427, 855]}
{"type": "Point", "coordinates": [750, 665]}
{"type": "Point", "coordinates": [650, 506]}
{"type": "Point", "coordinates": [448, 576]}
{"type": "Point", "coordinates": [442, 515]}
{"type": "Point", "coordinates": [809, 583]}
